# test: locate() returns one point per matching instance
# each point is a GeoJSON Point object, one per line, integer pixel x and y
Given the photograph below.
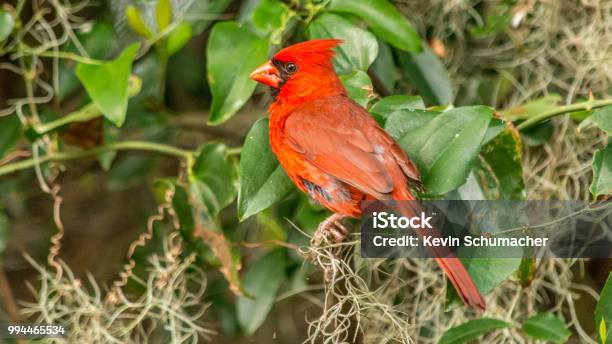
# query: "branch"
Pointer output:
{"type": "Point", "coordinates": [56, 54]}
{"type": "Point", "coordinates": [588, 105]}
{"type": "Point", "coordinates": [118, 146]}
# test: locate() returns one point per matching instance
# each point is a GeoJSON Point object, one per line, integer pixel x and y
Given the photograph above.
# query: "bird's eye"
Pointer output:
{"type": "Point", "coordinates": [290, 68]}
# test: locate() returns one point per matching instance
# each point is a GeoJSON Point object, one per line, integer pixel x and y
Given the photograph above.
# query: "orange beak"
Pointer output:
{"type": "Point", "coordinates": [267, 74]}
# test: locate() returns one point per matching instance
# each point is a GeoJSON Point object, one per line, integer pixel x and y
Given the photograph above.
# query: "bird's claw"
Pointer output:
{"type": "Point", "coordinates": [330, 230]}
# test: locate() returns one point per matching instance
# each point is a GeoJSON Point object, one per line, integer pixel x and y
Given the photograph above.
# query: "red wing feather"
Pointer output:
{"type": "Point", "coordinates": [339, 137]}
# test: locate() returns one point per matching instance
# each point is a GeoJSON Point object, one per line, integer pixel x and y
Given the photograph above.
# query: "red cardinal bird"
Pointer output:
{"type": "Point", "coordinates": [332, 149]}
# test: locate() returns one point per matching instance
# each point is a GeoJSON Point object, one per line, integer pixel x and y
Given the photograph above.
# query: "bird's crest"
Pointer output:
{"type": "Point", "coordinates": [315, 50]}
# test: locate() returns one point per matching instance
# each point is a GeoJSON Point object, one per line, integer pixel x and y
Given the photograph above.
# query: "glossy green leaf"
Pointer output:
{"type": "Point", "coordinates": [7, 23]}
{"type": "Point", "coordinates": [177, 39]}
{"type": "Point", "coordinates": [358, 86]}
{"type": "Point", "coordinates": [10, 132]}
{"type": "Point", "coordinates": [602, 172]}
{"type": "Point", "coordinates": [394, 105]}
{"type": "Point", "coordinates": [426, 72]}
{"type": "Point", "coordinates": [262, 279]}
{"type": "Point", "coordinates": [499, 168]}
{"type": "Point", "coordinates": [546, 327]}
{"type": "Point", "coordinates": [471, 330]}
{"type": "Point", "coordinates": [401, 123]}
{"type": "Point", "coordinates": [359, 49]}
{"type": "Point", "coordinates": [263, 181]}
{"type": "Point", "coordinates": [603, 118]}
{"type": "Point", "coordinates": [136, 22]}
{"type": "Point", "coordinates": [496, 127]}
{"type": "Point", "coordinates": [163, 14]}
{"type": "Point", "coordinates": [229, 81]}
{"type": "Point", "coordinates": [384, 20]}
{"type": "Point", "coordinates": [215, 177]}
{"type": "Point", "coordinates": [97, 42]}
{"type": "Point", "coordinates": [444, 146]}
{"type": "Point", "coordinates": [603, 311]}
{"type": "Point", "coordinates": [383, 69]}
{"type": "Point", "coordinates": [270, 15]}
{"type": "Point", "coordinates": [107, 84]}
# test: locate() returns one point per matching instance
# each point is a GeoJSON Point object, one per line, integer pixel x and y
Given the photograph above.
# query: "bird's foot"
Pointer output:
{"type": "Point", "coordinates": [330, 230]}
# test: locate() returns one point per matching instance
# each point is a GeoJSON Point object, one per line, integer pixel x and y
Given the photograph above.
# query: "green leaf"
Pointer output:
{"type": "Point", "coordinates": [359, 49]}
{"type": "Point", "coordinates": [271, 15]}
{"type": "Point", "coordinates": [602, 172]}
{"type": "Point", "coordinates": [136, 22]}
{"type": "Point", "coordinates": [229, 82]}
{"type": "Point", "coordinates": [426, 72]}
{"type": "Point", "coordinates": [97, 42]}
{"type": "Point", "coordinates": [394, 105]}
{"type": "Point", "coordinates": [603, 332]}
{"type": "Point", "coordinates": [603, 118]}
{"type": "Point", "coordinates": [496, 127]}
{"type": "Point", "coordinates": [384, 69]}
{"type": "Point", "coordinates": [499, 168]}
{"type": "Point", "coordinates": [10, 133]}
{"type": "Point", "coordinates": [358, 86]}
{"type": "Point", "coordinates": [177, 39]}
{"type": "Point", "coordinates": [263, 181]}
{"type": "Point", "coordinates": [487, 272]}
{"type": "Point", "coordinates": [526, 271]}
{"type": "Point", "coordinates": [163, 14]}
{"type": "Point", "coordinates": [471, 330]}
{"type": "Point", "coordinates": [262, 279]}
{"type": "Point", "coordinates": [227, 258]}
{"type": "Point", "coordinates": [7, 23]}
{"type": "Point", "coordinates": [603, 311]}
{"type": "Point", "coordinates": [532, 108]}
{"type": "Point", "coordinates": [546, 327]}
{"type": "Point", "coordinates": [444, 146]}
{"type": "Point", "coordinates": [107, 84]}
{"type": "Point", "coordinates": [384, 20]}
{"type": "Point", "coordinates": [215, 177]}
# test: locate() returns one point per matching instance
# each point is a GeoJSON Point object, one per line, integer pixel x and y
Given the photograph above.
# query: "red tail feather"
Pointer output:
{"type": "Point", "coordinates": [462, 281]}
{"type": "Point", "coordinates": [452, 266]}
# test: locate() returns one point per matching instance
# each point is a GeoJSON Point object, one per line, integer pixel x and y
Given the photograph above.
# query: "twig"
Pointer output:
{"type": "Point", "coordinates": [526, 227]}
{"type": "Point", "coordinates": [59, 54]}
{"type": "Point", "coordinates": [118, 146]}
{"type": "Point", "coordinates": [15, 155]}
{"type": "Point", "coordinates": [588, 105]}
